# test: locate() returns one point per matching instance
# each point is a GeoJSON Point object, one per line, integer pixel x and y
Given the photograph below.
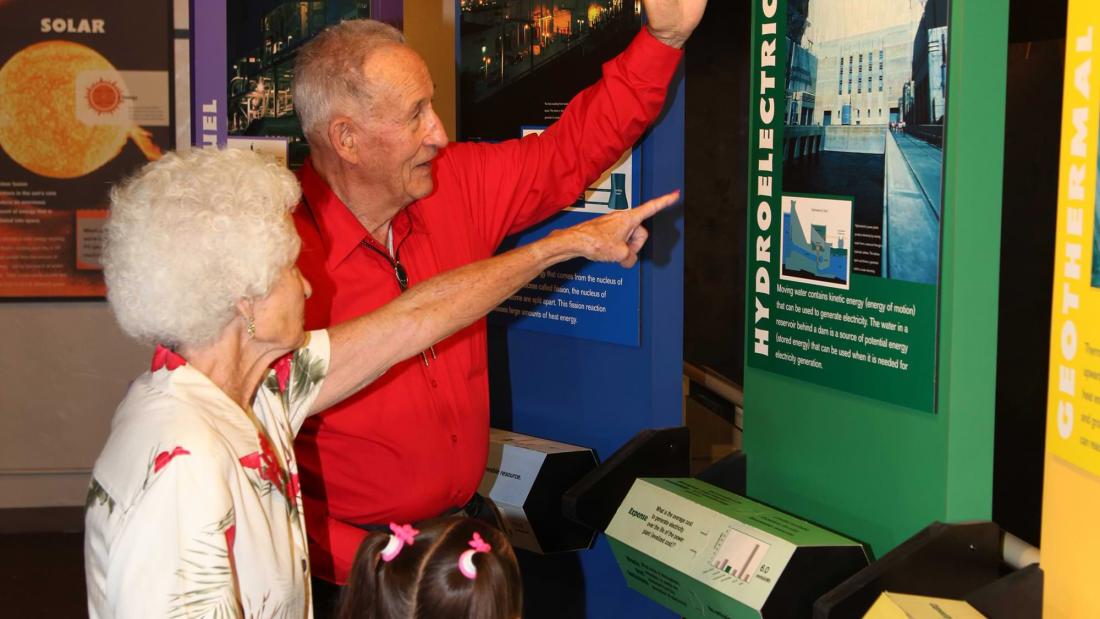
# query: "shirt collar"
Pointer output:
{"type": "Point", "coordinates": [189, 385]}
{"type": "Point", "coordinates": [341, 232]}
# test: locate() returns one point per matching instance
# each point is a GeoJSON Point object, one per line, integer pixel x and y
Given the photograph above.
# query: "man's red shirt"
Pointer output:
{"type": "Point", "coordinates": [414, 443]}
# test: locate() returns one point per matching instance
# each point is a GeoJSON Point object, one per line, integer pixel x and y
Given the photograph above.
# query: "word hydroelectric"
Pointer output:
{"type": "Point", "coordinates": [765, 167]}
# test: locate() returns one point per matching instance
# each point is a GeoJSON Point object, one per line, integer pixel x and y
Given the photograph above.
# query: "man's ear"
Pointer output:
{"type": "Point", "coordinates": [343, 137]}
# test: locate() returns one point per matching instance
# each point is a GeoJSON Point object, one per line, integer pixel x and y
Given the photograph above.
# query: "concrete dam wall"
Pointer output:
{"type": "Point", "coordinates": [870, 139]}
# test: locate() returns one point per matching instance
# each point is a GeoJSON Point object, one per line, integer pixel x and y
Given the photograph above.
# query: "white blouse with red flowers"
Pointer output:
{"type": "Point", "coordinates": [194, 508]}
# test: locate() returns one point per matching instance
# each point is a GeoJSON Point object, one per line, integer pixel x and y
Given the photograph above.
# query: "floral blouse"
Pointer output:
{"type": "Point", "coordinates": [194, 508]}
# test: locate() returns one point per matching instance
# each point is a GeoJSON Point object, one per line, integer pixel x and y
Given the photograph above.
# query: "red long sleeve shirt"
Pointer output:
{"type": "Point", "coordinates": [414, 443]}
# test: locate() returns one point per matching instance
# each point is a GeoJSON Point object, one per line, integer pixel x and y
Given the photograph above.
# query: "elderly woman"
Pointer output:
{"type": "Point", "coordinates": [194, 507]}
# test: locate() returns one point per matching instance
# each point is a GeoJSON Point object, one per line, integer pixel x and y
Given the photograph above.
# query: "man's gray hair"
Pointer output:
{"type": "Point", "coordinates": [328, 72]}
{"type": "Point", "coordinates": [192, 234]}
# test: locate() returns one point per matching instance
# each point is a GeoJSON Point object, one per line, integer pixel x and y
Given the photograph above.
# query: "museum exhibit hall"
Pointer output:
{"type": "Point", "coordinates": [775, 309]}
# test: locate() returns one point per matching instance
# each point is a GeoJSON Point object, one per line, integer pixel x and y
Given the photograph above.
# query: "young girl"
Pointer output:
{"type": "Point", "coordinates": [451, 568]}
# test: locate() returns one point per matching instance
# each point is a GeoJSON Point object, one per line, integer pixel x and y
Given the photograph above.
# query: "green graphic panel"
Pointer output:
{"type": "Point", "coordinates": [767, 519]}
{"type": "Point", "coordinates": [850, 445]}
{"type": "Point", "coordinates": [846, 168]}
{"type": "Point", "coordinates": [675, 590]}
{"type": "Point", "coordinates": [876, 340]}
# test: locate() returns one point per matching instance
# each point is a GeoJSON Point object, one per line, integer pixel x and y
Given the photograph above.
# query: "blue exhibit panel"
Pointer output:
{"type": "Point", "coordinates": [599, 394]}
{"type": "Point", "coordinates": [590, 300]}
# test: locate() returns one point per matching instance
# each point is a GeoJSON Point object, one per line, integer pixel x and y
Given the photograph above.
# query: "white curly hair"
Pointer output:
{"type": "Point", "coordinates": [190, 235]}
{"type": "Point", "coordinates": [328, 72]}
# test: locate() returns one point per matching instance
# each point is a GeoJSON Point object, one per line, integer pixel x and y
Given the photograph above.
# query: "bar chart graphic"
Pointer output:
{"type": "Point", "coordinates": [738, 555]}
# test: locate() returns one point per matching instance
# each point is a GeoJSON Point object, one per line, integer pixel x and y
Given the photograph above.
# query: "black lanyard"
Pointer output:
{"type": "Point", "coordinates": [402, 277]}
{"type": "Point", "coordinates": [399, 272]}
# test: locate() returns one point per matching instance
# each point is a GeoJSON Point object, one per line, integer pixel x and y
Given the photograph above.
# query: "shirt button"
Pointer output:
{"type": "Point", "coordinates": [434, 384]}
{"type": "Point", "coordinates": [454, 438]}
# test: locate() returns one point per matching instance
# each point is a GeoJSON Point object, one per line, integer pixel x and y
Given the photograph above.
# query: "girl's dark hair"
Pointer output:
{"type": "Point", "coordinates": [424, 582]}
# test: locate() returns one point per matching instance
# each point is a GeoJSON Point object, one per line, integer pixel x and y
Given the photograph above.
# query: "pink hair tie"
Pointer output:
{"type": "Point", "coordinates": [402, 534]}
{"type": "Point", "coordinates": [466, 559]}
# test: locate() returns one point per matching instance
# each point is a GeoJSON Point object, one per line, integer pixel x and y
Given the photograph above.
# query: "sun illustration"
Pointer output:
{"type": "Point", "coordinates": [104, 97]}
{"type": "Point", "coordinates": [40, 127]}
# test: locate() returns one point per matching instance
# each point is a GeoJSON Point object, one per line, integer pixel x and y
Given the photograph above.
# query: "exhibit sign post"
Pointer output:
{"type": "Point", "coordinates": [590, 300]}
{"type": "Point", "coordinates": [705, 552]}
{"type": "Point", "coordinates": [526, 476]}
{"type": "Point", "coordinates": [845, 204]}
{"type": "Point", "coordinates": [1071, 489]}
{"type": "Point", "coordinates": [208, 107]}
{"type": "Point", "coordinates": [894, 605]}
{"type": "Point", "coordinates": [86, 95]}
{"type": "Point", "coordinates": [516, 77]}
{"type": "Point", "coordinates": [519, 66]}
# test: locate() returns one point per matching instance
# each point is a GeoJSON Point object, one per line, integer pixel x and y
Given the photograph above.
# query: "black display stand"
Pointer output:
{"type": "Point", "coordinates": [942, 560]}
{"type": "Point", "coordinates": [592, 501]}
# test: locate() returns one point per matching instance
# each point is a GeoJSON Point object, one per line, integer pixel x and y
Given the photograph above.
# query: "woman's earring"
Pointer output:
{"type": "Point", "coordinates": [251, 328]}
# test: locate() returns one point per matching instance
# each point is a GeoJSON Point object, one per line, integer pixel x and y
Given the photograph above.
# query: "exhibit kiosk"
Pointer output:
{"type": "Point", "coordinates": [526, 477]}
{"type": "Point", "coordinates": [555, 497]}
{"type": "Point", "coordinates": [705, 552]}
{"type": "Point", "coordinates": [864, 298]}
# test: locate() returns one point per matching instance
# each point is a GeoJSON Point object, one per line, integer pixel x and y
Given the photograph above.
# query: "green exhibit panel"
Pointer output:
{"type": "Point", "coordinates": [875, 181]}
{"type": "Point", "coordinates": [704, 552]}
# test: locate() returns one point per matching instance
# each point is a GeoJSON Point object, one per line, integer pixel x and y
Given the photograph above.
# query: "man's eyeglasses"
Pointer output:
{"type": "Point", "coordinates": [402, 276]}
{"type": "Point", "coordinates": [403, 283]}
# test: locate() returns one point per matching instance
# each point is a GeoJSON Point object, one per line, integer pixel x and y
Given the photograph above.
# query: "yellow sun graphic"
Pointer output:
{"type": "Point", "coordinates": [39, 127]}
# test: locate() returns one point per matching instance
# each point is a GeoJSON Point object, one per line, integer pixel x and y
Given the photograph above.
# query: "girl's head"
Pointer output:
{"type": "Point", "coordinates": [424, 579]}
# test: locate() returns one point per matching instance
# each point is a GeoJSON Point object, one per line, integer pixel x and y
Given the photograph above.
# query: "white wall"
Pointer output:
{"type": "Point", "coordinates": [64, 367]}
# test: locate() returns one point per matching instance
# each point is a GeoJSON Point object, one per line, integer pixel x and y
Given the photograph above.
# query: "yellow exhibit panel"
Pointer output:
{"type": "Point", "coordinates": [1071, 501]}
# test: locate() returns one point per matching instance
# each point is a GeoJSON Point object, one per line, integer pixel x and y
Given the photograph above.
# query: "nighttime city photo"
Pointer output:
{"type": "Point", "coordinates": [522, 60]}
{"type": "Point", "coordinates": [263, 40]}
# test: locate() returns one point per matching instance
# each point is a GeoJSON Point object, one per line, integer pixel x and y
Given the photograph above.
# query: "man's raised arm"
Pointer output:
{"type": "Point", "coordinates": [672, 21]}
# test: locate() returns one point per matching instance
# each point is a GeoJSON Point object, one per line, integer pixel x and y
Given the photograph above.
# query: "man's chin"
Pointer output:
{"type": "Point", "coordinates": [422, 190]}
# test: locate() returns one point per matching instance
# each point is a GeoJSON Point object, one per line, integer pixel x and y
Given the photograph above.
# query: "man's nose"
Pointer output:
{"type": "Point", "coordinates": [437, 135]}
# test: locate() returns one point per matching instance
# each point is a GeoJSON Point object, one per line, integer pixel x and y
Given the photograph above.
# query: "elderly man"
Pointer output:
{"type": "Point", "coordinates": [386, 201]}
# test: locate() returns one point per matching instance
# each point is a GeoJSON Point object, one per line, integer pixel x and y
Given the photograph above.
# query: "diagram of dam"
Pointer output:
{"type": "Point", "coordinates": [816, 241]}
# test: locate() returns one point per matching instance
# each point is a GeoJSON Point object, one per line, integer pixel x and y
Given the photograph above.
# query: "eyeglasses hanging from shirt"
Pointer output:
{"type": "Point", "coordinates": [402, 276]}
